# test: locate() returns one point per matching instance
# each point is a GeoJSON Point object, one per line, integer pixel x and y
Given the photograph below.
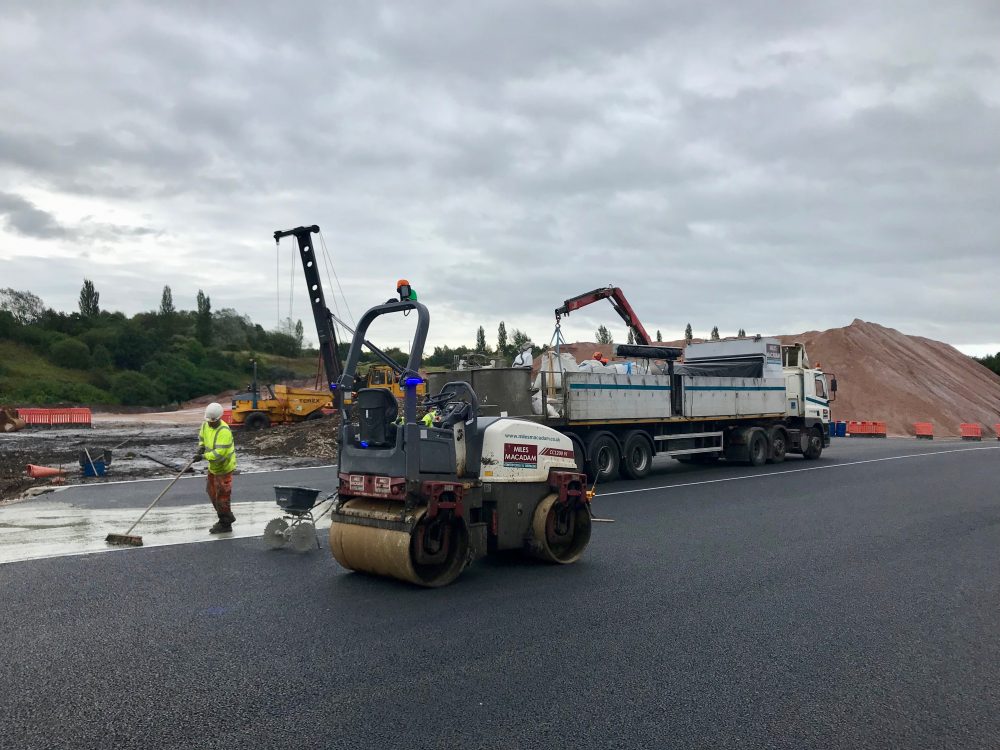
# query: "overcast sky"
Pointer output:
{"type": "Point", "coordinates": [775, 166]}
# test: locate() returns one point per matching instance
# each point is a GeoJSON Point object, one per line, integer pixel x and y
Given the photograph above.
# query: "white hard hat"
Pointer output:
{"type": "Point", "coordinates": [213, 411]}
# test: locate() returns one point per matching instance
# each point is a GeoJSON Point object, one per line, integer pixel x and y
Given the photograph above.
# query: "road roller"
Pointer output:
{"type": "Point", "coordinates": [421, 502]}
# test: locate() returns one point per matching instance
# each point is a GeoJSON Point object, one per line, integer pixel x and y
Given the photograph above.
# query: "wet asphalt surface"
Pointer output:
{"type": "Point", "coordinates": [845, 606]}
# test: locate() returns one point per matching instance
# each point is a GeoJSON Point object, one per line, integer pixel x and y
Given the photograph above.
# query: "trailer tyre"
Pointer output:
{"type": "Point", "coordinates": [579, 452]}
{"type": "Point", "coordinates": [257, 420]}
{"type": "Point", "coordinates": [603, 459]}
{"type": "Point", "coordinates": [637, 456]}
{"type": "Point", "coordinates": [779, 445]}
{"type": "Point", "coordinates": [813, 447]}
{"type": "Point", "coordinates": [757, 447]}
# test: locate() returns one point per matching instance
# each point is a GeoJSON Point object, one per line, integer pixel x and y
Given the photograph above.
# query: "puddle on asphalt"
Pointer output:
{"type": "Point", "coordinates": [48, 528]}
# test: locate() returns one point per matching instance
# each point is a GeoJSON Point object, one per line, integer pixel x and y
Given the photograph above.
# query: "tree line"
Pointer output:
{"type": "Point", "coordinates": [153, 358]}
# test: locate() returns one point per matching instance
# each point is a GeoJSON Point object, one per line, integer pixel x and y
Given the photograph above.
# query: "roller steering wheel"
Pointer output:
{"type": "Point", "coordinates": [441, 400]}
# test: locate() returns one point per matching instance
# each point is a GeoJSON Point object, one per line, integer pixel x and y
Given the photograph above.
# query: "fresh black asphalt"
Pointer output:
{"type": "Point", "coordinates": [854, 606]}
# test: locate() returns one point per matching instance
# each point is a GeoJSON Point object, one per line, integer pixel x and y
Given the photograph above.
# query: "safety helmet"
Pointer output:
{"type": "Point", "coordinates": [213, 412]}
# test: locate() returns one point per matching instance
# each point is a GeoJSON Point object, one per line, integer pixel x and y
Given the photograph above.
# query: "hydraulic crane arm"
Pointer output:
{"type": "Point", "coordinates": [321, 314]}
{"type": "Point", "coordinates": [618, 301]}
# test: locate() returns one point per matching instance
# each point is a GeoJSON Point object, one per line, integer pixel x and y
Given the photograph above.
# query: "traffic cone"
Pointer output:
{"type": "Point", "coordinates": [41, 472]}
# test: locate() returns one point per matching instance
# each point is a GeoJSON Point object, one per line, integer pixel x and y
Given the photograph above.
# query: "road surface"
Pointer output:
{"type": "Point", "coordinates": [850, 602]}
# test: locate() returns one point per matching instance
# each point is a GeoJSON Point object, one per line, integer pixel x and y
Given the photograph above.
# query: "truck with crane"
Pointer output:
{"type": "Point", "coordinates": [750, 400]}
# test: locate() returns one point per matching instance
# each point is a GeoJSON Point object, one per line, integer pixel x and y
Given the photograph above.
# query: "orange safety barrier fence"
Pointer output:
{"type": "Point", "coordinates": [923, 430]}
{"type": "Point", "coordinates": [866, 429]}
{"type": "Point", "coordinates": [80, 416]}
{"type": "Point", "coordinates": [971, 431]}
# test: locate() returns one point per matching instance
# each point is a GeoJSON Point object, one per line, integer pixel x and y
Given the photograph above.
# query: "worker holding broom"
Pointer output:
{"type": "Point", "coordinates": [215, 445]}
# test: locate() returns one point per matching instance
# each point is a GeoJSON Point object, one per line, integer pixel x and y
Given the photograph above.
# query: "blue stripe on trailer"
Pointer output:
{"type": "Point", "coordinates": [734, 388]}
{"type": "Point", "coordinates": [816, 401]}
{"type": "Point", "coordinates": [616, 387]}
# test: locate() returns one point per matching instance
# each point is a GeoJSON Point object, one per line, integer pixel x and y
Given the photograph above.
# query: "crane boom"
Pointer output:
{"type": "Point", "coordinates": [618, 302]}
{"type": "Point", "coordinates": [321, 314]}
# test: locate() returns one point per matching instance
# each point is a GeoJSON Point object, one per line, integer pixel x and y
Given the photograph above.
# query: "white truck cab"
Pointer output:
{"type": "Point", "coordinates": [808, 391]}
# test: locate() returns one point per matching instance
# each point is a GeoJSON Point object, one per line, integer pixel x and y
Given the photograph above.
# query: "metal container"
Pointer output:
{"type": "Point", "coordinates": [500, 390]}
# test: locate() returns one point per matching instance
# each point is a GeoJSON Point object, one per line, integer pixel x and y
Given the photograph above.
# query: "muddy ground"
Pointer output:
{"type": "Point", "coordinates": [137, 448]}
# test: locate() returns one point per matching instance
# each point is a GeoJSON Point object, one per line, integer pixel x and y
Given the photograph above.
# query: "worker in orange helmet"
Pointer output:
{"type": "Point", "coordinates": [600, 358]}
{"type": "Point", "coordinates": [406, 292]}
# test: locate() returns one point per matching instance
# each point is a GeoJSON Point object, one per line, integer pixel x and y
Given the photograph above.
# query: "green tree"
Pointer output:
{"type": "Point", "coordinates": [502, 339]}
{"type": "Point", "coordinates": [715, 333]}
{"type": "Point", "coordinates": [135, 389]}
{"type": "Point", "coordinates": [604, 335]}
{"type": "Point", "coordinates": [203, 319]}
{"type": "Point", "coordinates": [688, 334]}
{"type": "Point", "coordinates": [89, 298]}
{"type": "Point", "coordinates": [659, 336]}
{"type": "Point", "coordinates": [481, 341]}
{"type": "Point", "coordinates": [167, 303]}
{"type": "Point", "coordinates": [24, 306]}
{"type": "Point", "coordinates": [100, 358]}
{"type": "Point", "coordinates": [70, 353]}
{"type": "Point", "coordinates": [518, 338]}
{"type": "Point", "coordinates": [741, 333]}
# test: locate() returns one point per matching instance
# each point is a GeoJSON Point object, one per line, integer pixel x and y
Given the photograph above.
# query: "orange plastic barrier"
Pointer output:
{"type": "Point", "coordinates": [80, 416]}
{"type": "Point", "coordinates": [40, 472]}
{"type": "Point", "coordinates": [227, 416]}
{"type": "Point", "coordinates": [866, 429]}
{"type": "Point", "coordinates": [971, 431]}
{"type": "Point", "coordinates": [923, 430]}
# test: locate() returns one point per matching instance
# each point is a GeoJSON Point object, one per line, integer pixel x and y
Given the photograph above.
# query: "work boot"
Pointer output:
{"type": "Point", "coordinates": [222, 526]}
{"type": "Point", "coordinates": [228, 517]}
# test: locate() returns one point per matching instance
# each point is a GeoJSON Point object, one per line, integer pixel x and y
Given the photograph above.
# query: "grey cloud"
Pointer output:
{"type": "Point", "coordinates": [24, 218]}
{"type": "Point", "coordinates": [769, 166]}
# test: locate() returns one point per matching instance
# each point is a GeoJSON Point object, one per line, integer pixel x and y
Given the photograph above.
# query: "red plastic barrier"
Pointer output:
{"type": "Point", "coordinates": [227, 416]}
{"type": "Point", "coordinates": [81, 416]}
{"type": "Point", "coordinates": [924, 430]}
{"type": "Point", "coordinates": [866, 429]}
{"type": "Point", "coordinates": [971, 431]}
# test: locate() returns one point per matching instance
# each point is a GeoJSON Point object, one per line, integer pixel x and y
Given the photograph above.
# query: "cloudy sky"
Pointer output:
{"type": "Point", "coordinates": [775, 166]}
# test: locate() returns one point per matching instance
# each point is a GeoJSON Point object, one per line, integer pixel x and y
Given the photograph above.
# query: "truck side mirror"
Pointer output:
{"type": "Point", "coordinates": [833, 385]}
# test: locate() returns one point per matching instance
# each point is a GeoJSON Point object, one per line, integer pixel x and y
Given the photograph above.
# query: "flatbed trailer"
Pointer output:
{"type": "Point", "coordinates": [750, 401]}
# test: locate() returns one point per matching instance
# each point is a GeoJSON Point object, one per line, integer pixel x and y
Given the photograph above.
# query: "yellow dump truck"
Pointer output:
{"type": "Point", "coordinates": [383, 376]}
{"type": "Point", "coordinates": [258, 409]}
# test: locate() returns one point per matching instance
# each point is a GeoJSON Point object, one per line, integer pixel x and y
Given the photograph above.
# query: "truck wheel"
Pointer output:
{"type": "Point", "coordinates": [579, 453]}
{"type": "Point", "coordinates": [257, 420]}
{"type": "Point", "coordinates": [813, 447]}
{"type": "Point", "coordinates": [757, 447]}
{"type": "Point", "coordinates": [603, 459]}
{"type": "Point", "coordinates": [637, 456]}
{"type": "Point", "coordinates": [779, 446]}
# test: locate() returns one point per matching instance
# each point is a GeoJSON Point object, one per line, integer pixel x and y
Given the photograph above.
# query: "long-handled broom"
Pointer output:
{"type": "Point", "coordinates": [127, 539]}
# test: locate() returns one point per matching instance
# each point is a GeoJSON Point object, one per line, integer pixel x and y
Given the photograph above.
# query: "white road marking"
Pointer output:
{"type": "Point", "coordinates": [795, 471]}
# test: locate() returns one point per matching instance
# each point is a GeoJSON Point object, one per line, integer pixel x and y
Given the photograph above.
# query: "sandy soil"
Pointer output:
{"type": "Point", "coordinates": [886, 375]}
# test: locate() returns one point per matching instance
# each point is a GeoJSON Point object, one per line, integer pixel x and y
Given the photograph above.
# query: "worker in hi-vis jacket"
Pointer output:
{"type": "Point", "coordinates": [215, 445]}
